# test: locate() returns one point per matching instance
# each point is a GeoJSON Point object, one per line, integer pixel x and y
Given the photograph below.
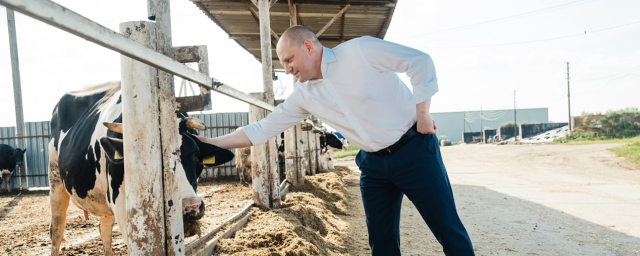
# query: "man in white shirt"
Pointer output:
{"type": "Point", "coordinates": [355, 89]}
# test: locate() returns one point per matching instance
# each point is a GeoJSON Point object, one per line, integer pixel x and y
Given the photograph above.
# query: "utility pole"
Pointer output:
{"type": "Point", "coordinates": [17, 91]}
{"type": "Point", "coordinates": [481, 128]}
{"type": "Point", "coordinates": [569, 100]}
{"type": "Point", "coordinates": [515, 123]}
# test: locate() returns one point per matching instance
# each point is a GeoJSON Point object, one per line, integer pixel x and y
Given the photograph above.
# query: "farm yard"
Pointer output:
{"type": "Point", "coordinates": [513, 200]}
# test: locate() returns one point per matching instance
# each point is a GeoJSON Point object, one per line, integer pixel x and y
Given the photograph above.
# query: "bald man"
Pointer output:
{"type": "Point", "coordinates": [355, 89]}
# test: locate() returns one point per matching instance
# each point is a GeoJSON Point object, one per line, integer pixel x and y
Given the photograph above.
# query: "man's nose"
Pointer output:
{"type": "Point", "coordinates": [287, 69]}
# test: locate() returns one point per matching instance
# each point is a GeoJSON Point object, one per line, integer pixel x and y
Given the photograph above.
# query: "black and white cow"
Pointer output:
{"type": "Point", "coordinates": [328, 140]}
{"type": "Point", "coordinates": [9, 159]}
{"type": "Point", "coordinates": [86, 162]}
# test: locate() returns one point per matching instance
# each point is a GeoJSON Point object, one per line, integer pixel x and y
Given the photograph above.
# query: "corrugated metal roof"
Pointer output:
{"type": "Point", "coordinates": [362, 18]}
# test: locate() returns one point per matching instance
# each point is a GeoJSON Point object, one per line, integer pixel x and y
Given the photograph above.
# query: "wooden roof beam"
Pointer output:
{"type": "Point", "coordinates": [304, 15]}
{"type": "Point", "coordinates": [342, 28]}
{"type": "Point", "coordinates": [385, 25]}
{"type": "Point", "coordinates": [293, 14]}
{"type": "Point", "coordinates": [255, 17]}
{"type": "Point", "coordinates": [332, 20]}
{"type": "Point", "coordinates": [388, 4]}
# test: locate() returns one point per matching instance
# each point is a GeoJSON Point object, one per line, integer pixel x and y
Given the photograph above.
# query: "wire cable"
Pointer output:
{"type": "Point", "coordinates": [533, 41]}
{"type": "Point", "coordinates": [551, 8]}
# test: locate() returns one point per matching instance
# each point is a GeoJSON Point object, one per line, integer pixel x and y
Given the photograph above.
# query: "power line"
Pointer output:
{"type": "Point", "coordinates": [532, 41]}
{"type": "Point", "coordinates": [551, 8]}
{"type": "Point", "coordinates": [609, 76]}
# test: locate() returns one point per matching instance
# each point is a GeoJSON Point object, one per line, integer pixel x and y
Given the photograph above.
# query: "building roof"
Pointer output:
{"type": "Point", "coordinates": [239, 19]}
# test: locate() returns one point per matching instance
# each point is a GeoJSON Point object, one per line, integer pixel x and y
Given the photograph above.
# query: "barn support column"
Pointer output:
{"type": "Point", "coordinates": [300, 147]}
{"type": "Point", "coordinates": [142, 147]}
{"type": "Point", "coordinates": [259, 166]}
{"type": "Point", "coordinates": [306, 157]}
{"type": "Point", "coordinates": [271, 176]}
{"type": "Point", "coordinates": [290, 162]}
{"type": "Point", "coordinates": [312, 153]}
{"type": "Point", "coordinates": [159, 10]}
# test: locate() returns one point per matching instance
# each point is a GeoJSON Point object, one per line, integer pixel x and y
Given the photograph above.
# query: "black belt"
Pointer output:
{"type": "Point", "coordinates": [390, 150]}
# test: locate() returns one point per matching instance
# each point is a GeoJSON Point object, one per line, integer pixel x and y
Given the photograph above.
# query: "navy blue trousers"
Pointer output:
{"type": "Point", "coordinates": [417, 171]}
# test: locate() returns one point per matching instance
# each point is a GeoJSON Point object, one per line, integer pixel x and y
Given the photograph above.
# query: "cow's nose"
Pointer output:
{"type": "Point", "coordinates": [193, 207]}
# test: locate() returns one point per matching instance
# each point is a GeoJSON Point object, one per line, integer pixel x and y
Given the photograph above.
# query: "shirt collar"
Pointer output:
{"type": "Point", "coordinates": [327, 57]}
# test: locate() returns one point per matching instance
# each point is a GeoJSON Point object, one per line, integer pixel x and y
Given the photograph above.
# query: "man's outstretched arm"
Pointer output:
{"type": "Point", "coordinates": [236, 139]}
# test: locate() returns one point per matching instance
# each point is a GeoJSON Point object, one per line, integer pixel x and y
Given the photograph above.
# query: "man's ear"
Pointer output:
{"type": "Point", "coordinates": [113, 149]}
{"type": "Point", "coordinates": [308, 46]}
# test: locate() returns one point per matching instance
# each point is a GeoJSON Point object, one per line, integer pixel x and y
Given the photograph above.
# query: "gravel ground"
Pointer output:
{"type": "Point", "coordinates": [529, 200]}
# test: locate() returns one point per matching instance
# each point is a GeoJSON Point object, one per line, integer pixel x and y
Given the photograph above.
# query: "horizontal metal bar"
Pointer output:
{"type": "Point", "coordinates": [223, 127]}
{"type": "Point", "coordinates": [26, 137]}
{"type": "Point", "coordinates": [303, 15]}
{"type": "Point", "coordinates": [199, 243]}
{"type": "Point", "coordinates": [67, 20]}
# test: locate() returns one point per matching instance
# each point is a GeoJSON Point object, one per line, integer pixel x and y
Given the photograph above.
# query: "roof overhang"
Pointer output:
{"type": "Point", "coordinates": [335, 21]}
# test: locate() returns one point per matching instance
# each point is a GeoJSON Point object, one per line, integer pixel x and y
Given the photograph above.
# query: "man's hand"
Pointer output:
{"type": "Point", "coordinates": [426, 125]}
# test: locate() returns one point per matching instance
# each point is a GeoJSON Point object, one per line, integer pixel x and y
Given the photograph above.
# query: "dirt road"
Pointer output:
{"type": "Point", "coordinates": [528, 200]}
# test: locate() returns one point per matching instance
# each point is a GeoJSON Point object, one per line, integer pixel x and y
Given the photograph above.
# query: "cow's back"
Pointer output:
{"type": "Point", "coordinates": [7, 159]}
{"type": "Point", "coordinates": [76, 127]}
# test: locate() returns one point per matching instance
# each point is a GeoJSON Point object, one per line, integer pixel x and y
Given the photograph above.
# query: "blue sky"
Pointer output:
{"type": "Point", "coordinates": [483, 51]}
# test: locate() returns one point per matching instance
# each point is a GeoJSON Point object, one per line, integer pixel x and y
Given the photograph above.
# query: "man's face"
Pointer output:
{"type": "Point", "coordinates": [296, 59]}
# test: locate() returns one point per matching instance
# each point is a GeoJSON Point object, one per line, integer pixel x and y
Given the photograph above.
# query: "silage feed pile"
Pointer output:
{"type": "Point", "coordinates": [307, 223]}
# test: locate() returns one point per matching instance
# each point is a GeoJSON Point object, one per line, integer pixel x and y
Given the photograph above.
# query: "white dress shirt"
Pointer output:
{"type": "Point", "coordinates": [360, 95]}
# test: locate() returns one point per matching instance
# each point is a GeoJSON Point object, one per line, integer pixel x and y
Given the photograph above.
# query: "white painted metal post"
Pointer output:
{"type": "Point", "coordinates": [142, 149]}
{"type": "Point", "coordinates": [267, 80]}
{"type": "Point", "coordinates": [274, 176]}
{"type": "Point", "coordinates": [17, 88]}
{"type": "Point", "coordinates": [300, 147]}
{"type": "Point", "coordinates": [312, 153]}
{"type": "Point", "coordinates": [259, 165]}
{"type": "Point", "coordinates": [306, 152]}
{"type": "Point", "coordinates": [290, 162]}
{"type": "Point", "coordinates": [172, 203]}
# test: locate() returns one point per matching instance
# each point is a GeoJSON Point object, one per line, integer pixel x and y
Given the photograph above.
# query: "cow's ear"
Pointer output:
{"type": "Point", "coordinates": [213, 155]}
{"type": "Point", "coordinates": [113, 149]}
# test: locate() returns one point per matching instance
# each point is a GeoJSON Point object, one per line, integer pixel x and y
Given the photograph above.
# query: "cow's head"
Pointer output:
{"type": "Point", "coordinates": [325, 160]}
{"type": "Point", "coordinates": [194, 156]}
{"type": "Point", "coordinates": [331, 141]}
{"type": "Point", "coordinates": [18, 155]}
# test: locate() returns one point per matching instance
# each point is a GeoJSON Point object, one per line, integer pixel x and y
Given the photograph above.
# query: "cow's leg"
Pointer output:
{"type": "Point", "coordinates": [8, 178]}
{"type": "Point", "coordinates": [106, 228]}
{"type": "Point", "coordinates": [59, 200]}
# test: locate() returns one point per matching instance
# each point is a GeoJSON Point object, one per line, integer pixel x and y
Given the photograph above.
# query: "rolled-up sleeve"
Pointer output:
{"type": "Point", "coordinates": [284, 116]}
{"type": "Point", "coordinates": [387, 56]}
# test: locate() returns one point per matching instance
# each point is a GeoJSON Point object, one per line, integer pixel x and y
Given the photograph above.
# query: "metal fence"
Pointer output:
{"type": "Point", "coordinates": [219, 124]}
{"type": "Point", "coordinates": [34, 174]}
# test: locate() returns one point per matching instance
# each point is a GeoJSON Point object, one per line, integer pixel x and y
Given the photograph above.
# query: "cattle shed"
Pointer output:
{"type": "Point", "coordinates": [333, 21]}
{"type": "Point", "coordinates": [454, 124]}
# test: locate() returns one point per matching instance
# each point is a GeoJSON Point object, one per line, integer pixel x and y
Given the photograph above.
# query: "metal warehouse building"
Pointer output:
{"type": "Point", "coordinates": [453, 124]}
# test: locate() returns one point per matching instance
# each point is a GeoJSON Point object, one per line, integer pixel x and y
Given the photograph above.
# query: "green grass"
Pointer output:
{"type": "Point", "coordinates": [630, 151]}
{"type": "Point", "coordinates": [583, 141]}
{"type": "Point", "coordinates": [351, 151]}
